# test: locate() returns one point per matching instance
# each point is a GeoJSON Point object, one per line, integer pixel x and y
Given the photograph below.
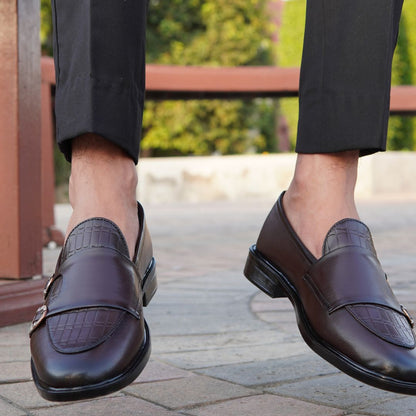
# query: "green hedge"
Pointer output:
{"type": "Point", "coordinates": [402, 132]}
{"type": "Point", "coordinates": [209, 33]}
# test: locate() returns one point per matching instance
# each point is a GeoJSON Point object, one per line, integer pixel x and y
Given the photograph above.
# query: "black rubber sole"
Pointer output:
{"type": "Point", "coordinates": [149, 286]}
{"type": "Point", "coordinates": [268, 278]}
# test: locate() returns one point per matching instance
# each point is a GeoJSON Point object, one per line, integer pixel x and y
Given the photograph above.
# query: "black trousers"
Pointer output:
{"type": "Point", "coordinates": [99, 49]}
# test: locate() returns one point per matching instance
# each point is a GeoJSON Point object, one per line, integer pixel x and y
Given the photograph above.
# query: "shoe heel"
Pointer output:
{"type": "Point", "coordinates": [258, 272]}
{"type": "Point", "coordinates": [149, 285]}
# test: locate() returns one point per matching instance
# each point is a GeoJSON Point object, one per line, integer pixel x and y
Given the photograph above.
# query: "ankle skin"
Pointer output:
{"type": "Point", "coordinates": [320, 194]}
{"type": "Point", "coordinates": [103, 184]}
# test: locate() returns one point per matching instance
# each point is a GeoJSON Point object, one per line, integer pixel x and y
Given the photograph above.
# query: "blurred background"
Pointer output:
{"type": "Point", "coordinates": [235, 33]}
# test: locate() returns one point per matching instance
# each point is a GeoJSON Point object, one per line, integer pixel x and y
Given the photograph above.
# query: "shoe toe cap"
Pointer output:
{"type": "Point", "coordinates": [87, 354]}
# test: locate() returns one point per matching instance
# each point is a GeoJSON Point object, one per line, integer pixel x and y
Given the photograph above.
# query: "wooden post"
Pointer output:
{"type": "Point", "coordinates": [47, 168]}
{"type": "Point", "coordinates": [20, 186]}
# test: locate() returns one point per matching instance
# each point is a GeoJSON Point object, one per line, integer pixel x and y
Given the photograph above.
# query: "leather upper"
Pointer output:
{"type": "Point", "coordinates": [345, 294]}
{"type": "Point", "coordinates": [91, 327]}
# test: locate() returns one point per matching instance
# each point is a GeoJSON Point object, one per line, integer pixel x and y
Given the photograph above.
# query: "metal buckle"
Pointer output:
{"type": "Point", "coordinates": [39, 317]}
{"type": "Point", "coordinates": [409, 318]}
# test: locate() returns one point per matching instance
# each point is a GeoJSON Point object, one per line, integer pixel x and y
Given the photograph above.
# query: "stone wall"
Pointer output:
{"type": "Point", "coordinates": [208, 178]}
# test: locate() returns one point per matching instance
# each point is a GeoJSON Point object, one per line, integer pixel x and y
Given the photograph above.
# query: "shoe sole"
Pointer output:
{"type": "Point", "coordinates": [114, 384]}
{"type": "Point", "coordinates": [269, 279]}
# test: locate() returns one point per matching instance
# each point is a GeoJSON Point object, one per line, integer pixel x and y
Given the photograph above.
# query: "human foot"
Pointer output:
{"type": "Point", "coordinates": [90, 338]}
{"type": "Point", "coordinates": [103, 184]}
{"type": "Point", "coordinates": [320, 194]}
{"type": "Point", "coordinates": [345, 309]}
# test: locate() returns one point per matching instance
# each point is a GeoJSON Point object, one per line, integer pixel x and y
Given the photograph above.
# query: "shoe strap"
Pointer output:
{"type": "Point", "coordinates": [348, 276]}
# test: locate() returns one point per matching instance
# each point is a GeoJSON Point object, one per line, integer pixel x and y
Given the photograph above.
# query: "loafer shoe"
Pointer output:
{"type": "Point", "coordinates": [345, 308]}
{"type": "Point", "coordinates": [90, 338]}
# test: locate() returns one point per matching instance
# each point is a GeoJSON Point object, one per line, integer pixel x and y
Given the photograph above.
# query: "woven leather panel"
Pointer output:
{"type": "Point", "coordinates": [387, 324]}
{"type": "Point", "coordinates": [94, 233]}
{"type": "Point", "coordinates": [82, 330]}
{"type": "Point", "coordinates": [348, 232]}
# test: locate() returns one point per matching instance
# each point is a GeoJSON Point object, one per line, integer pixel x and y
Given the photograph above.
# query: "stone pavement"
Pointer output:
{"type": "Point", "coordinates": [220, 347]}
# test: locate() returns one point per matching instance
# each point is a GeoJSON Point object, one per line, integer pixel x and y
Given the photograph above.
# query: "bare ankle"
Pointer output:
{"type": "Point", "coordinates": [101, 169]}
{"type": "Point", "coordinates": [103, 184]}
{"type": "Point", "coordinates": [320, 194]}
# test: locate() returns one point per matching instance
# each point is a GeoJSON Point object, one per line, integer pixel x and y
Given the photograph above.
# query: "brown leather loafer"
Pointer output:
{"type": "Point", "coordinates": [345, 309]}
{"type": "Point", "coordinates": [90, 338]}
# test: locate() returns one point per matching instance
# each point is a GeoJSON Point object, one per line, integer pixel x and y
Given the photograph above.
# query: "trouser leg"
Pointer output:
{"type": "Point", "coordinates": [346, 75]}
{"type": "Point", "coordinates": [99, 50]}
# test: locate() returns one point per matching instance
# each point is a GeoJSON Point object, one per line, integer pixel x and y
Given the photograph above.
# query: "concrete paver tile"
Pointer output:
{"type": "Point", "coordinates": [265, 405]}
{"type": "Point", "coordinates": [120, 406]}
{"type": "Point", "coordinates": [190, 391]}
{"type": "Point", "coordinates": [157, 371]}
{"type": "Point", "coordinates": [26, 396]}
{"type": "Point", "coordinates": [224, 356]}
{"type": "Point", "coordinates": [263, 303]}
{"type": "Point", "coordinates": [272, 371]}
{"type": "Point", "coordinates": [199, 342]}
{"type": "Point", "coordinates": [15, 372]}
{"type": "Point", "coordinates": [8, 410]}
{"type": "Point", "coordinates": [336, 390]}
{"type": "Point", "coordinates": [207, 317]}
{"type": "Point", "coordinates": [23, 394]}
{"type": "Point", "coordinates": [403, 405]}
{"type": "Point", "coordinates": [15, 335]}
{"type": "Point", "coordinates": [14, 353]}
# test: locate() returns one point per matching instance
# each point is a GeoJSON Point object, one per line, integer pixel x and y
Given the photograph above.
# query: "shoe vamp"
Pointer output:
{"type": "Point", "coordinates": [110, 358]}
{"type": "Point", "coordinates": [343, 332]}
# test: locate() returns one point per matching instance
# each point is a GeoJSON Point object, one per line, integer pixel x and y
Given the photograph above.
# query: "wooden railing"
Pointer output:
{"type": "Point", "coordinates": [165, 82]}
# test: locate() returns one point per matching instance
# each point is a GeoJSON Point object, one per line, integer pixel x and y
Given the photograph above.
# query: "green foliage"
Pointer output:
{"type": "Point", "coordinates": [46, 26]}
{"type": "Point", "coordinates": [209, 33]}
{"type": "Point", "coordinates": [199, 127]}
{"type": "Point", "coordinates": [289, 54]}
{"type": "Point", "coordinates": [402, 130]}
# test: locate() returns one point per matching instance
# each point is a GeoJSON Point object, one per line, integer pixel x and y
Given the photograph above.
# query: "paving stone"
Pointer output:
{"type": "Point", "coordinates": [24, 395]}
{"type": "Point", "coordinates": [254, 337]}
{"type": "Point", "coordinates": [207, 314]}
{"type": "Point", "coordinates": [212, 358]}
{"type": "Point", "coordinates": [190, 391]}
{"type": "Point", "coordinates": [15, 335]}
{"type": "Point", "coordinates": [11, 353]}
{"type": "Point", "coordinates": [15, 371]}
{"type": "Point", "coordinates": [265, 405]}
{"type": "Point", "coordinates": [272, 371]}
{"type": "Point", "coordinates": [173, 318]}
{"type": "Point", "coordinates": [120, 406]}
{"type": "Point", "coordinates": [7, 409]}
{"type": "Point", "coordinates": [263, 303]}
{"type": "Point", "coordinates": [157, 371]}
{"type": "Point", "coordinates": [334, 390]}
{"type": "Point", "coordinates": [403, 405]}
